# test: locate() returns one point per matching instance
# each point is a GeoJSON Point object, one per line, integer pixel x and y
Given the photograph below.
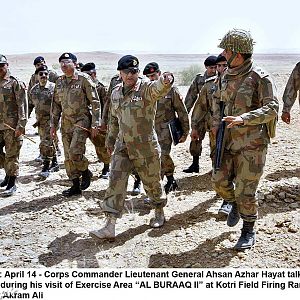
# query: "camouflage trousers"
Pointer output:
{"type": "Point", "coordinates": [74, 141]}
{"type": "Point", "coordinates": [148, 169]}
{"type": "Point", "coordinates": [47, 148]}
{"type": "Point", "coordinates": [238, 178]}
{"type": "Point", "coordinates": [167, 164]}
{"type": "Point", "coordinates": [10, 159]}
{"type": "Point", "coordinates": [196, 146]}
{"type": "Point", "coordinates": [101, 151]}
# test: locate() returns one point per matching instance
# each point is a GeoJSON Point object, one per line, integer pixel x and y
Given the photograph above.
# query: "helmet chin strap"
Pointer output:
{"type": "Point", "coordinates": [232, 57]}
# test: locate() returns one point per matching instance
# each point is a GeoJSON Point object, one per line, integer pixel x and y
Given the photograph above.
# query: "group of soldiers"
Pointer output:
{"type": "Point", "coordinates": [129, 126]}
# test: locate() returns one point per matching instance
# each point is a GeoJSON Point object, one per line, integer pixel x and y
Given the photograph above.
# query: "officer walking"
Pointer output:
{"type": "Point", "coordinates": [190, 99]}
{"type": "Point", "coordinates": [134, 141]}
{"type": "Point", "coordinates": [99, 139]}
{"type": "Point", "coordinates": [74, 93]}
{"type": "Point", "coordinates": [12, 125]}
{"type": "Point", "coordinates": [41, 96]}
{"type": "Point", "coordinates": [250, 108]}
{"type": "Point", "coordinates": [167, 108]}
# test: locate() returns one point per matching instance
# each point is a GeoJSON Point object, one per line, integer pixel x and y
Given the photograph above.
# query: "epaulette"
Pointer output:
{"type": "Point", "coordinates": [261, 72]}
{"type": "Point", "coordinates": [211, 78]}
{"type": "Point", "coordinates": [85, 75]}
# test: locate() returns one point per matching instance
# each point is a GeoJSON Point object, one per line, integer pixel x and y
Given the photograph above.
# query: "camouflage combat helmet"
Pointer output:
{"type": "Point", "coordinates": [237, 40]}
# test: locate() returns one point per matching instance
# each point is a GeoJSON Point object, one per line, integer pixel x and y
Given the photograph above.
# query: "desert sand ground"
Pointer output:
{"type": "Point", "coordinates": [39, 227]}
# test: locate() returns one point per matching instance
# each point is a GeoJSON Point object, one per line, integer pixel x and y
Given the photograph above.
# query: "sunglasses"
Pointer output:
{"type": "Point", "coordinates": [43, 73]}
{"type": "Point", "coordinates": [132, 71]}
{"type": "Point", "coordinates": [221, 65]}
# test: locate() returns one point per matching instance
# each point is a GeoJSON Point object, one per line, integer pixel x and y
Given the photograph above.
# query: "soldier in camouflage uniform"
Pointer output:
{"type": "Point", "coordinates": [74, 93]}
{"type": "Point", "coordinates": [99, 139]}
{"type": "Point", "coordinates": [41, 96]}
{"type": "Point", "coordinates": [202, 115]}
{"type": "Point", "coordinates": [12, 113]}
{"type": "Point", "coordinates": [132, 137]}
{"type": "Point", "coordinates": [250, 106]}
{"type": "Point", "coordinates": [190, 99]}
{"type": "Point", "coordinates": [38, 62]}
{"type": "Point", "coordinates": [167, 109]}
{"type": "Point", "coordinates": [290, 94]}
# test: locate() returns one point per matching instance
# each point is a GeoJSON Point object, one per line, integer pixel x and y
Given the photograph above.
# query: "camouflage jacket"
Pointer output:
{"type": "Point", "coordinates": [194, 91]}
{"type": "Point", "coordinates": [167, 108]}
{"type": "Point", "coordinates": [248, 92]}
{"type": "Point", "coordinates": [12, 103]}
{"type": "Point", "coordinates": [102, 93]}
{"type": "Point", "coordinates": [202, 112]}
{"type": "Point", "coordinates": [34, 80]}
{"type": "Point", "coordinates": [41, 97]}
{"type": "Point", "coordinates": [72, 99]}
{"type": "Point", "coordinates": [115, 80]}
{"type": "Point", "coordinates": [291, 89]}
{"type": "Point", "coordinates": [131, 123]}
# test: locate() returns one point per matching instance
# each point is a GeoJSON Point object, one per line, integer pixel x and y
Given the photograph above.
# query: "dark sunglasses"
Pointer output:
{"type": "Point", "coordinates": [132, 71]}
{"type": "Point", "coordinates": [43, 73]}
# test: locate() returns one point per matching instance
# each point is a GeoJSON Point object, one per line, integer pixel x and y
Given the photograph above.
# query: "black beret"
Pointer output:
{"type": "Point", "coordinates": [41, 68]}
{"type": "Point", "coordinates": [68, 55]}
{"type": "Point", "coordinates": [220, 58]}
{"type": "Point", "coordinates": [151, 68]}
{"type": "Point", "coordinates": [3, 59]}
{"type": "Point", "coordinates": [210, 61]}
{"type": "Point", "coordinates": [128, 62]}
{"type": "Point", "coordinates": [38, 60]}
{"type": "Point", "coordinates": [88, 67]}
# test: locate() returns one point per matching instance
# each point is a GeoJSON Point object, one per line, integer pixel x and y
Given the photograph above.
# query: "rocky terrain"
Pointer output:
{"type": "Point", "coordinates": [41, 228]}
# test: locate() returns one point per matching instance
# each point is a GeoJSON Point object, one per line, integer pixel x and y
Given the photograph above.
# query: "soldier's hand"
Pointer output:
{"type": "Point", "coordinates": [233, 121]}
{"type": "Point", "coordinates": [194, 135]}
{"type": "Point", "coordinates": [18, 132]}
{"type": "Point", "coordinates": [103, 127]}
{"type": "Point", "coordinates": [168, 77]}
{"type": "Point", "coordinates": [182, 139]}
{"type": "Point", "coordinates": [286, 117]}
{"type": "Point", "coordinates": [53, 132]}
{"type": "Point", "coordinates": [94, 132]}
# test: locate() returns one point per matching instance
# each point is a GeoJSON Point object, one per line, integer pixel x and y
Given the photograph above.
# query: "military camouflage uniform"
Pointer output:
{"type": "Point", "coordinates": [41, 98]}
{"type": "Point", "coordinates": [246, 92]}
{"type": "Point", "coordinates": [99, 140]}
{"type": "Point", "coordinates": [190, 99]}
{"type": "Point", "coordinates": [131, 133]}
{"type": "Point", "coordinates": [202, 112]}
{"type": "Point", "coordinates": [166, 108]}
{"type": "Point", "coordinates": [12, 113]}
{"type": "Point", "coordinates": [291, 89]}
{"type": "Point", "coordinates": [72, 98]}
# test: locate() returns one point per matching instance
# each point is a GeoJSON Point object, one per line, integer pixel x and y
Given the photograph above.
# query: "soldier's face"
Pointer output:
{"type": "Point", "coordinates": [236, 61]}
{"type": "Point", "coordinates": [211, 70]}
{"type": "Point", "coordinates": [129, 78]}
{"type": "Point", "coordinates": [3, 70]}
{"type": "Point", "coordinates": [67, 66]}
{"type": "Point", "coordinates": [221, 67]}
{"type": "Point", "coordinates": [40, 64]}
{"type": "Point", "coordinates": [153, 76]}
{"type": "Point", "coordinates": [43, 77]}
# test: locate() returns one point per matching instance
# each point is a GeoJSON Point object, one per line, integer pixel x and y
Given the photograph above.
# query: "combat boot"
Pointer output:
{"type": "Point", "coordinates": [108, 232]}
{"type": "Point", "coordinates": [194, 167]}
{"type": "Point", "coordinates": [39, 158]}
{"type": "Point", "coordinates": [46, 169]}
{"type": "Point", "coordinates": [234, 215]}
{"type": "Point", "coordinates": [11, 187]}
{"type": "Point", "coordinates": [74, 190]}
{"type": "Point", "coordinates": [5, 181]}
{"type": "Point", "coordinates": [105, 172]}
{"type": "Point", "coordinates": [225, 208]}
{"type": "Point", "coordinates": [54, 164]}
{"type": "Point", "coordinates": [86, 179]}
{"type": "Point", "coordinates": [247, 238]}
{"type": "Point", "coordinates": [171, 184]}
{"type": "Point", "coordinates": [136, 186]}
{"type": "Point", "coordinates": [159, 218]}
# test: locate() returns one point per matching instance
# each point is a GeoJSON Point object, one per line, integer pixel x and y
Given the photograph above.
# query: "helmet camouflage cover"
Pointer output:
{"type": "Point", "coordinates": [237, 40]}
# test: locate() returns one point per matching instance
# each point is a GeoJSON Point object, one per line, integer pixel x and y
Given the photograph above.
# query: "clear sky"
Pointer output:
{"type": "Point", "coordinates": [153, 26]}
